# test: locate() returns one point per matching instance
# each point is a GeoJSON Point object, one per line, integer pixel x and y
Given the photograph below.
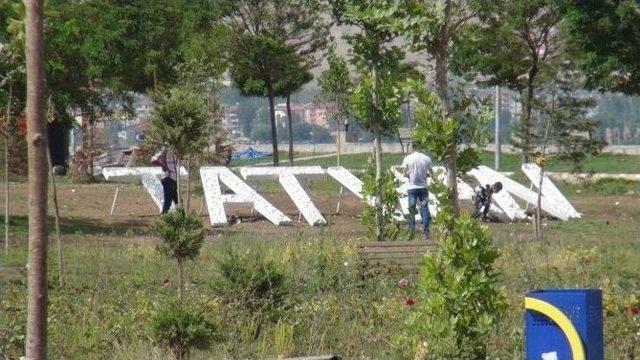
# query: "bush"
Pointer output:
{"type": "Point", "coordinates": [182, 235]}
{"type": "Point", "coordinates": [248, 282]}
{"type": "Point", "coordinates": [459, 299]}
{"type": "Point", "coordinates": [181, 327]}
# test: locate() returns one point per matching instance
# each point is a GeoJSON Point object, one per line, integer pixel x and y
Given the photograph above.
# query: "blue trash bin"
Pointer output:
{"type": "Point", "coordinates": [552, 316]}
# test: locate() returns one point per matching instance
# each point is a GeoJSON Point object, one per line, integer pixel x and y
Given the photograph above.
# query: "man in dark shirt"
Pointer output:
{"type": "Point", "coordinates": [167, 160]}
{"type": "Point", "coordinates": [482, 201]}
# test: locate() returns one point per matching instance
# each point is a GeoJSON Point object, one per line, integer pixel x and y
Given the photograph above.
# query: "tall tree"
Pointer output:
{"type": "Point", "coordinates": [258, 62]}
{"type": "Point", "coordinates": [36, 340]}
{"type": "Point", "coordinates": [335, 85]}
{"type": "Point", "coordinates": [289, 33]}
{"type": "Point", "coordinates": [435, 26]}
{"type": "Point", "coordinates": [517, 44]}
{"type": "Point", "coordinates": [376, 99]}
{"type": "Point", "coordinates": [295, 77]}
{"type": "Point", "coordinates": [572, 127]}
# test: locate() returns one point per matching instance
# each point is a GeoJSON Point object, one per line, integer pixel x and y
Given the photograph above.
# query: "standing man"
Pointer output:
{"type": "Point", "coordinates": [167, 160]}
{"type": "Point", "coordinates": [417, 168]}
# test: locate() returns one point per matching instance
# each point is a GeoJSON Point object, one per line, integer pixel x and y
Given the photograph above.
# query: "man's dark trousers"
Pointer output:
{"type": "Point", "coordinates": [170, 189]}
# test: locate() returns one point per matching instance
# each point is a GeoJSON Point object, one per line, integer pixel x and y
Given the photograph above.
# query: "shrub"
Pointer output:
{"type": "Point", "coordinates": [182, 235]}
{"type": "Point", "coordinates": [250, 282]}
{"type": "Point", "coordinates": [181, 327]}
{"type": "Point", "coordinates": [459, 302]}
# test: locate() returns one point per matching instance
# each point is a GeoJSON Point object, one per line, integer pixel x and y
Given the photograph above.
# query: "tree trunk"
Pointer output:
{"type": "Point", "coordinates": [178, 181]}
{"type": "Point", "coordinates": [6, 171]}
{"type": "Point", "coordinates": [83, 165]}
{"type": "Point", "coordinates": [188, 202]}
{"type": "Point", "coordinates": [538, 218]}
{"type": "Point", "coordinates": [91, 148]}
{"type": "Point", "coordinates": [274, 135]}
{"type": "Point", "coordinates": [442, 89]}
{"type": "Point", "coordinates": [338, 145]}
{"type": "Point", "coordinates": [36, 331]}
{"type": "Point", "coordinates": [377, 151]}
{"type": "Point", "coordinates": [527, 126]}
{"type": "Point", "coordinates": [180, 279]}
{"type": "Point", "coordinates": [56, 213]}
{"type": "Point", "coordinates": [290, 125]}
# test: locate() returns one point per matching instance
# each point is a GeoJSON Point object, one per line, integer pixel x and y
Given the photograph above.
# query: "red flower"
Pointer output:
{"type": "Point", "coordinates": [634, 310]}
{"type": "Point", "coordinates": [409, 302]}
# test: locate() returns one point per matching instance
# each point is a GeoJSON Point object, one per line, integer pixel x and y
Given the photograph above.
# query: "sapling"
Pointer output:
{"type": "Point", "coordinates": [182, 235]}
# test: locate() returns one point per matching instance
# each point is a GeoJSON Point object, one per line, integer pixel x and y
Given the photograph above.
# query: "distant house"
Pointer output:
{"type": "Point", "coordinates": [311, 113]}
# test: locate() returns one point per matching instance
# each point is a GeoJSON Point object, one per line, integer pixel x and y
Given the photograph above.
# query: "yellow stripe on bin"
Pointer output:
{"type": "Point", "coordinates": [563, 322]}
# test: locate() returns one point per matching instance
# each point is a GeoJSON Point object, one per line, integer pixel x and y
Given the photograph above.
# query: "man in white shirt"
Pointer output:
{"type": "Point", "coordinates": [417, 168]}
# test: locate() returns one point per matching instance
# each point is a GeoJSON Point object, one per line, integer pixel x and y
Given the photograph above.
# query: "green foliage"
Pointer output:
{"type": "Point", "coordinates": [384, 116]}
{"type": "Point", "coordinates": [248, 281]}
{"type": "Point", "coordinates": [181, 328]}
{"type": "Point", "coordinates": [181, 232]}
{"type": "Point", "coordinates": [572, 128]}
{"type": "Point", "coordinates": [335, 85]}
{"type": "Point", "coordinates": [599, 35]}
{"type": "Point", "coordinates": [460, 299]}
{"type": "Point", "coordinates": [438, 136]}
{"type": "Point", "coordinates": [392, 228]}
{"type": "Point", "coordinates": [181, 121]}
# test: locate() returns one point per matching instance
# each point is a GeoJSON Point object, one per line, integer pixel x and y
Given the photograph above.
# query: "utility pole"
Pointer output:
{"type": "Point", "coordinates": [497, 135]}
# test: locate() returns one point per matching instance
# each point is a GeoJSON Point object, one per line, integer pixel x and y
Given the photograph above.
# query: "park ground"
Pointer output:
{"type": "Point", "coordinates": [115, 280]}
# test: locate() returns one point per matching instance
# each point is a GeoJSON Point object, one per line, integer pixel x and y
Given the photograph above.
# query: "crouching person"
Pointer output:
{"type": "Point", "coordinates": [482, 199]}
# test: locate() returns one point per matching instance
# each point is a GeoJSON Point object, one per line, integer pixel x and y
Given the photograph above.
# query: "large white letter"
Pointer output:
{"type": "Point", "coordinates": [243, 194]}
{"type": "Point", "coordinates": [287, 177]}
{"type": "Point", "coordinates": [149, 175]}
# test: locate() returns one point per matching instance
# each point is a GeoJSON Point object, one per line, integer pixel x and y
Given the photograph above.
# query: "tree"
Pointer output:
{"type": "Point", "coordinates": [517, 46]}
{"type": "Point", "coordinates": [435, 26]}
{"type": "Point", "coordinates": [600, 40]}
{"type": "Point", "coordinates": [257, 63]}
{"type": "Point", "coordinates": [335, 85]}
{"type": "Point", "coordinates": [36, 340]}
{"type": "Point", "coordinates": [274, 43]}
{"type": "Point", "coordinates": [459, 298]}
{"type": "Point", "coordinates": [182, 122]}
{"type": "Point", "coordinates": [376, 99]}
{"type": "Point", "coordinates": [572, 128]}
{"type": "Point", "coordinates": [182, 237]}
{"type": "Point", "coordinates": [295, 77]}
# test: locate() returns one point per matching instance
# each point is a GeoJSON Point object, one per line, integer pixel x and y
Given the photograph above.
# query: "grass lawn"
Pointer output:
{"type": "Point", "coordinates": [603, 163]}
{"type": "Point", "coordinates": [116, 281]}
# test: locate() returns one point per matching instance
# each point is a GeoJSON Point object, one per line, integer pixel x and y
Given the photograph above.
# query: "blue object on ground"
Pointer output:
{"type": "Point", "coordinates": [544, 337]}
{"type": "Point", "coordinates": [249, 154]}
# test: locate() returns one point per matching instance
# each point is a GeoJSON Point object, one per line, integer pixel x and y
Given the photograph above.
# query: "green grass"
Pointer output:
{"type": "Point", "coordinates": [115, 284]}
{"type": "Point", "coordinates": [603, 163]}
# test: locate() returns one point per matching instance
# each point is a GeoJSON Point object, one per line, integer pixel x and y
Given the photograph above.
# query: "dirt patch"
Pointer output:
{"type": "Point", "coordinates": [85, 209]}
